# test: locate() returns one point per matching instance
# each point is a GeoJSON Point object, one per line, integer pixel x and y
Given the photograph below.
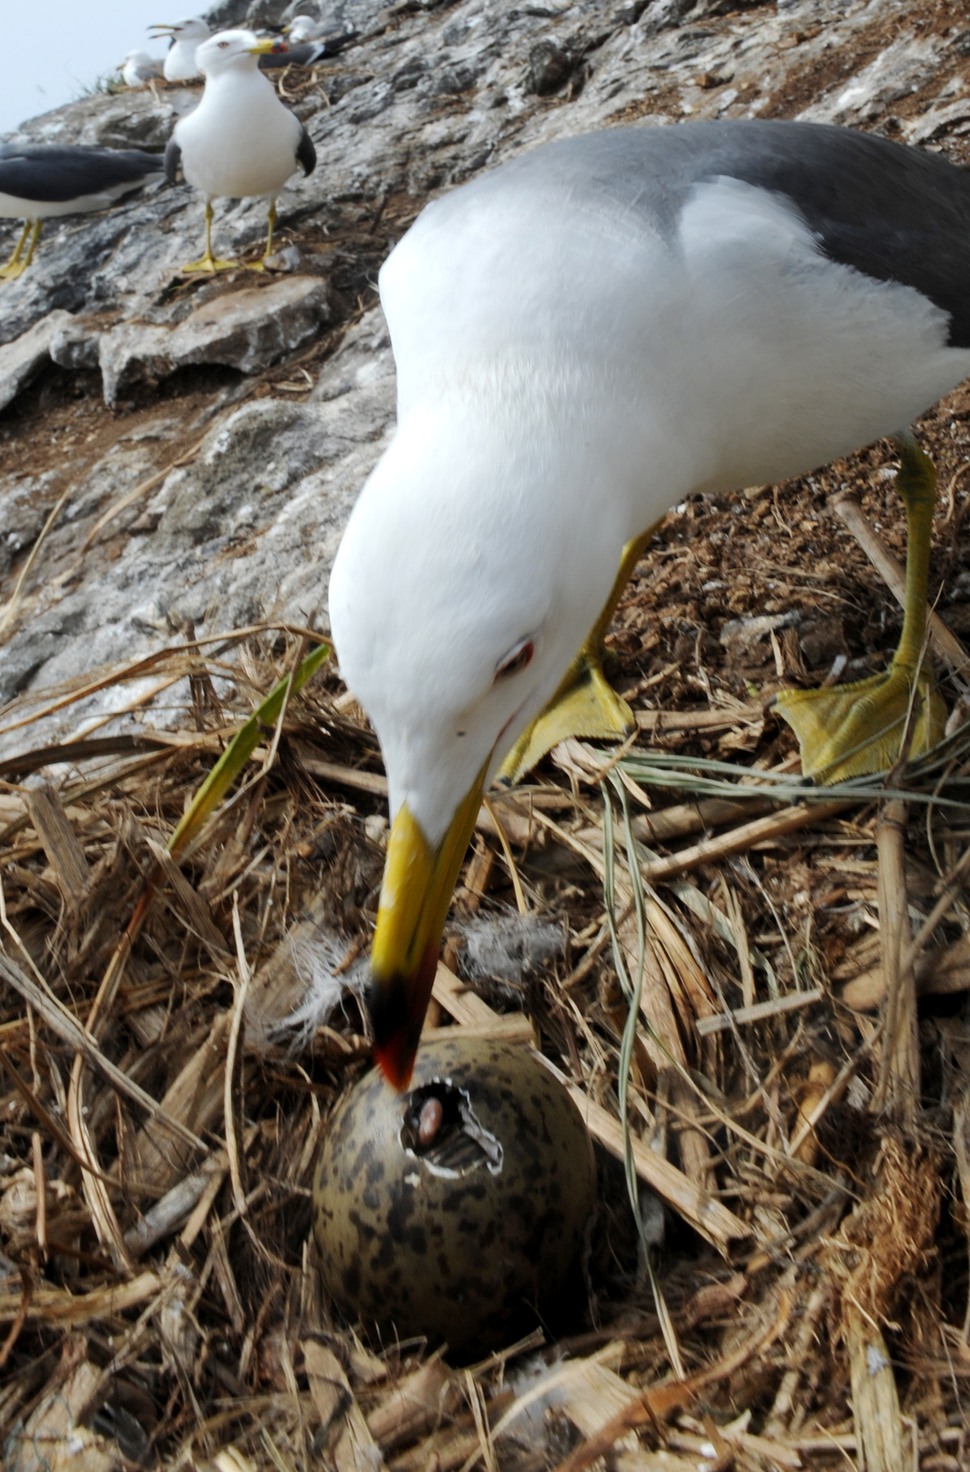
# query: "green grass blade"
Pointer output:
{"type": "Point", "coordinates": [240, 749]}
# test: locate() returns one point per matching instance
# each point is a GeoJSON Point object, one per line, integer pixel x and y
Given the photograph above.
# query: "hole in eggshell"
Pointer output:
{"type": "Point", "coordinates": [441, 1130]}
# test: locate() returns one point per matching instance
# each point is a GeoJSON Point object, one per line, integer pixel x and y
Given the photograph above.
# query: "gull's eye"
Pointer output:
{"type": "Point", "coordinates": [517, 659]}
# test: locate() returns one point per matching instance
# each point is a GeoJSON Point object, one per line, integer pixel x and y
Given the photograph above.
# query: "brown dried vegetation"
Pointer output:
{"type": "Point", "coordinates": [159, 1301]}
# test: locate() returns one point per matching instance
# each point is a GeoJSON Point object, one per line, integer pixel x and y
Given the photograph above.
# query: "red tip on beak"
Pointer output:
{"type": "Point", "coordinates": [395, 1067]}
{"type": "Point", "coordinates": [397, 1009]}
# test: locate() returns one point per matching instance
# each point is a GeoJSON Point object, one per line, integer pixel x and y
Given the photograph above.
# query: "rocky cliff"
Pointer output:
{"type": "Point", "coordinates": [181, 452]}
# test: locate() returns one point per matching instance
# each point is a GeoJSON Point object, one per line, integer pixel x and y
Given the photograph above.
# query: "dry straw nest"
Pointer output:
{"type": "Point", "coordinates": [794, 1093]}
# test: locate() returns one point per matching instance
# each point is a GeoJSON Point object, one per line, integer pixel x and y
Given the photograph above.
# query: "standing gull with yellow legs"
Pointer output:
{"type": "Point", "coordinates": [41, 182]}
{"type": "Point", "coordinates": [240, 141]}
{"type": "Point", "coordinates": [583, 338]}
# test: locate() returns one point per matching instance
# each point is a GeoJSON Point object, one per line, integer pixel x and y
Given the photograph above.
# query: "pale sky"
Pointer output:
{"type": "Point", "coordinates": [56, 49]}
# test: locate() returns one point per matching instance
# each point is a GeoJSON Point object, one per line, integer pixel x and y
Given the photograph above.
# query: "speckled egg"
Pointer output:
{"type": "Point", "coordinates": [456, 1210]}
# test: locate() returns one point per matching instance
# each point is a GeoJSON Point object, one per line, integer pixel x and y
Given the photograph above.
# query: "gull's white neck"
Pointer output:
{"type": "Point", "coordinates": [573, 429]}
{"type": "Point", "coordinates": [243, 81]}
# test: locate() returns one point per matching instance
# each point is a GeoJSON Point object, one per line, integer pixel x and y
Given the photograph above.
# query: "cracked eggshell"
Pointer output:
{"type": "Point", "coordinates": [457, 1210]}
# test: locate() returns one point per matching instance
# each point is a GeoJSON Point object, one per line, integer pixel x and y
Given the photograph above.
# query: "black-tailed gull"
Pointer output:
{"type": "Point", "coordinates": [139, 69]}
{"type": "Point", "coordinates": [187, 35]}
{"type": "Point", "coordinates": [240, 141]}
{"type": "Point", "coordinates": [39, 182]}
{"type": "Point", "coordinates": [584, 337]}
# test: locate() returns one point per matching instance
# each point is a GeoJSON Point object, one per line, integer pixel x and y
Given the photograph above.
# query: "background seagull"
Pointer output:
{"type": "Point", "coordinates": [187, 35]}
{"type": "Point", "coordinates": [240, 141]}
{"type": "Point", "coordinates": [39, 182]}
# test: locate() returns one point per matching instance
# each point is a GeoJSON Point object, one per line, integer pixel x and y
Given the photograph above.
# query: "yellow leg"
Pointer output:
{"type": "Point", "coordinates": [584, 704]}
{"type": "Point", "coordinates": [851, 730]}
{"type": "Point", "coordinates": [13, 266]}
{"type": "Point", "coordinates": [271, 217]}
{"type": "Point", "coordinates": [19, 260]}
{"type": "Point", "coordinates": [208, 261]}
{"type": "Point", "coordinates": [32, 245]}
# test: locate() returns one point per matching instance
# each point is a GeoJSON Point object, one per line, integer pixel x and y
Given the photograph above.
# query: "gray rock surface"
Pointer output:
{"type": "Point", "coordinates": [183, 452]}
{"type": "Point", "coordinates": [247, 329]}
{"type": "Point", "coordinates": [22, 359]}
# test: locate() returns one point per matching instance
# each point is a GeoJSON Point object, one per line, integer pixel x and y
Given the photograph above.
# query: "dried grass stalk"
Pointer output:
{"type": "Point", "coordinates": [350, 1445]}
{"type": "Point", "coordinates": [882, 1246]}
{"type": "Point", "coordinates": [899, 1080]}
{"type": "Point", "coordinates": [63, 850]}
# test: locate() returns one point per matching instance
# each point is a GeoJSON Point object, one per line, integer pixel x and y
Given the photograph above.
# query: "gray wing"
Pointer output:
{"type": "Point", "coordinates": [308, 53]}
{"type": "Point", "coordinates": [306, 154]}
{"type": "Point", "coordinates": [894, 212]}
{"type": "Point", "coordinates": [54, 175]}
{"type": "Point", "coordinates": [173, 161]}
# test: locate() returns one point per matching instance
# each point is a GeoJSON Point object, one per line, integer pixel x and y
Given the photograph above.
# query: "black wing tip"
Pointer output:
{"type": "Point", "coordinates": [173, 160]}
{"type": "Point", "coordinates": [306, 154]}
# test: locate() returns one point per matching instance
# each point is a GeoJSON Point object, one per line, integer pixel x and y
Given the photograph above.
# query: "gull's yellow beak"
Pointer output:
{"type": "Point", "coordinates": [268, 47]}
{"type": "Point", "coordinates": [418, 883]}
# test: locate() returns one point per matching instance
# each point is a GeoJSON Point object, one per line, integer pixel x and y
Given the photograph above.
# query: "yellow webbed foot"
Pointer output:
{"type": "Point", "coordinates": [210, 263]}
{"type": "Point", "coordinates": [584, 705]}
{"type": "Point", "coordinates": [854, 730]}
{"type": "Point", "coordinates": [23, 252]}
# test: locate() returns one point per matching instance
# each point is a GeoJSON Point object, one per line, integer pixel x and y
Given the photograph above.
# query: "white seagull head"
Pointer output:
{"type": "Point", "coordinates": [230, 50]}
{"type": "Point", "coordinates": [458, 599]}
{"type": "Point", "coordinates": [193, 29]}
